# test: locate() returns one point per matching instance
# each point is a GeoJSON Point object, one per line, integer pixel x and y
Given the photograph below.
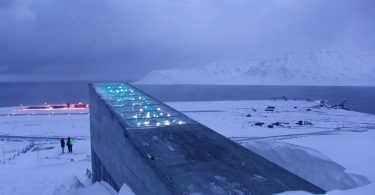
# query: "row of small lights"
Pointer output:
{"type": "Point", "coordinates": [166, 123]}
{"type": "Point", "coordinates": [33, 113]}
{"type": "Point", "coordinates": [120, 92]}
{"type": "Point", "coordinates": [49, 114]}
{"type": "Point", "coordinates": [148, 114]}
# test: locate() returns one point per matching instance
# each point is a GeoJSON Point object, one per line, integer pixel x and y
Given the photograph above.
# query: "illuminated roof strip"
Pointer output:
{"type": "Point", "coordinates": [137, 109]}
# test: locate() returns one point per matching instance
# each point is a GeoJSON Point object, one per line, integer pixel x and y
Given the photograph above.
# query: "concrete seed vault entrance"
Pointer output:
{"type": "Point", "coordinates": [156, 150]}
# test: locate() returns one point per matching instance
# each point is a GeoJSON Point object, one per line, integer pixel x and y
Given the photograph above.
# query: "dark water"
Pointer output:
{"type": "Point", "coordinates": [357, 98]}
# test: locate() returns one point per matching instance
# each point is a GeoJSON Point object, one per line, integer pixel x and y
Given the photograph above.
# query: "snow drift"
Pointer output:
{"type": "Point", "coordinates": [308, 164]}
{"type": "Point", "coordinates": [319, 67]}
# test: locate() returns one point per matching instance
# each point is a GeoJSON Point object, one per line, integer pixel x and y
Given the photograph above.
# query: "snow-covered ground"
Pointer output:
{"type": "Point", "coordinates": [332, 148]}
{"type": "Point", "coordinates": [332, 67]}
{"type": "Point", "coordinates": [42, 169]}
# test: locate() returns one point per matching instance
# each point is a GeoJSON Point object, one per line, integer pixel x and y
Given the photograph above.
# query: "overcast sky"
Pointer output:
{"type": "Point", "coordinates": [125, 39]}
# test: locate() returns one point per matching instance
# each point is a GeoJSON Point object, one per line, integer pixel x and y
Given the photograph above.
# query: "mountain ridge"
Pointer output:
{"type": "Point", "coordinates": [318, 67]}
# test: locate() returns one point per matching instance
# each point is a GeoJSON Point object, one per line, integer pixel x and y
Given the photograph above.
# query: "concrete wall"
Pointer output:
{"type": "Point", "coordinates": [182, 159]}
{"type": "Point", "coordinates": [116, 157]}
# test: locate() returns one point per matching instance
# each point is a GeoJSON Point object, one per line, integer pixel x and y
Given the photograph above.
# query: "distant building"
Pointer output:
{"type": "Point", "coordinates": [80, 105]}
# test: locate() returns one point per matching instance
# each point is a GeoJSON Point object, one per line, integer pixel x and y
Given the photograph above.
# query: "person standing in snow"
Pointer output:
{"type": "Point", "coordinates": [69, 143]}
{"type": "Point", "coordinates": [62, 145]}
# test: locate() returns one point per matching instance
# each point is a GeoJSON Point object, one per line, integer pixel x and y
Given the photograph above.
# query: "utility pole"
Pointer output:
{"type": "Point", "coordinates": [3, 154]}
{"type": "Point", "coordinates": [37, 151]}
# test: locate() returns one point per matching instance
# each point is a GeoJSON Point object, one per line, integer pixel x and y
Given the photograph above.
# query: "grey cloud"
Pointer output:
{"type": "Point", "coordinates": [6, 3]}
{"type": "Point", "coordinates": [126, 38]}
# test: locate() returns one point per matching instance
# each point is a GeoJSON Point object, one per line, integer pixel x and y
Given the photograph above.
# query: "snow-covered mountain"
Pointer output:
{"type": "Point", "coordinates": [324, 67]}
{"type": "Point", "coordinates": [214, 73]}
{"type": "Point", "coordinates": [319, 67]}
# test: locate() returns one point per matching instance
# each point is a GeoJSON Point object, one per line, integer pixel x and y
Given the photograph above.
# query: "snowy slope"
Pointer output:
{"type": "Point", "coordinates": [327, 174]}
{"type": "Point", "coordinates": [324, 67]}
{"type": "Point", "coordinates": [318, 67]}
{"type": "Point", "coordinates": [208, 74]}
{"type": "Point", "coordinates": [330, 153]}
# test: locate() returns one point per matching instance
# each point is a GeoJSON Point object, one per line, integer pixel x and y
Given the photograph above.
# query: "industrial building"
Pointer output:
{"type": "Point", "coordinates": [140, 141]}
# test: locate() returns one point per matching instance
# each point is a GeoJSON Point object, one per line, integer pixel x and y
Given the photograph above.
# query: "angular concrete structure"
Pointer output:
{"type": "Point", "coordinates": [158, 150]}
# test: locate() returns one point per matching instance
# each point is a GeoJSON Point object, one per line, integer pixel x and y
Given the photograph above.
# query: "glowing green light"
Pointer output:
{"type": "Point", "coordinates": [137, 109]}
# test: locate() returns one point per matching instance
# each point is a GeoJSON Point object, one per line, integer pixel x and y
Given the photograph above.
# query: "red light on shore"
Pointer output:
{"type": "Point", "coordinates": [68, 106]}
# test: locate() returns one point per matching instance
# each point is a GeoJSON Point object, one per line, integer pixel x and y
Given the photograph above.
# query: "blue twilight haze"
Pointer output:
{"type": "Point", "coordinates": [117, 39]}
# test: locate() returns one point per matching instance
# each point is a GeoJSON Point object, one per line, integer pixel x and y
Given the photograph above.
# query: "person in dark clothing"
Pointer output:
{"type": "Point", "coordinates": [62, 144]}
{"type": "Point", "coordinates": [69, 143]}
